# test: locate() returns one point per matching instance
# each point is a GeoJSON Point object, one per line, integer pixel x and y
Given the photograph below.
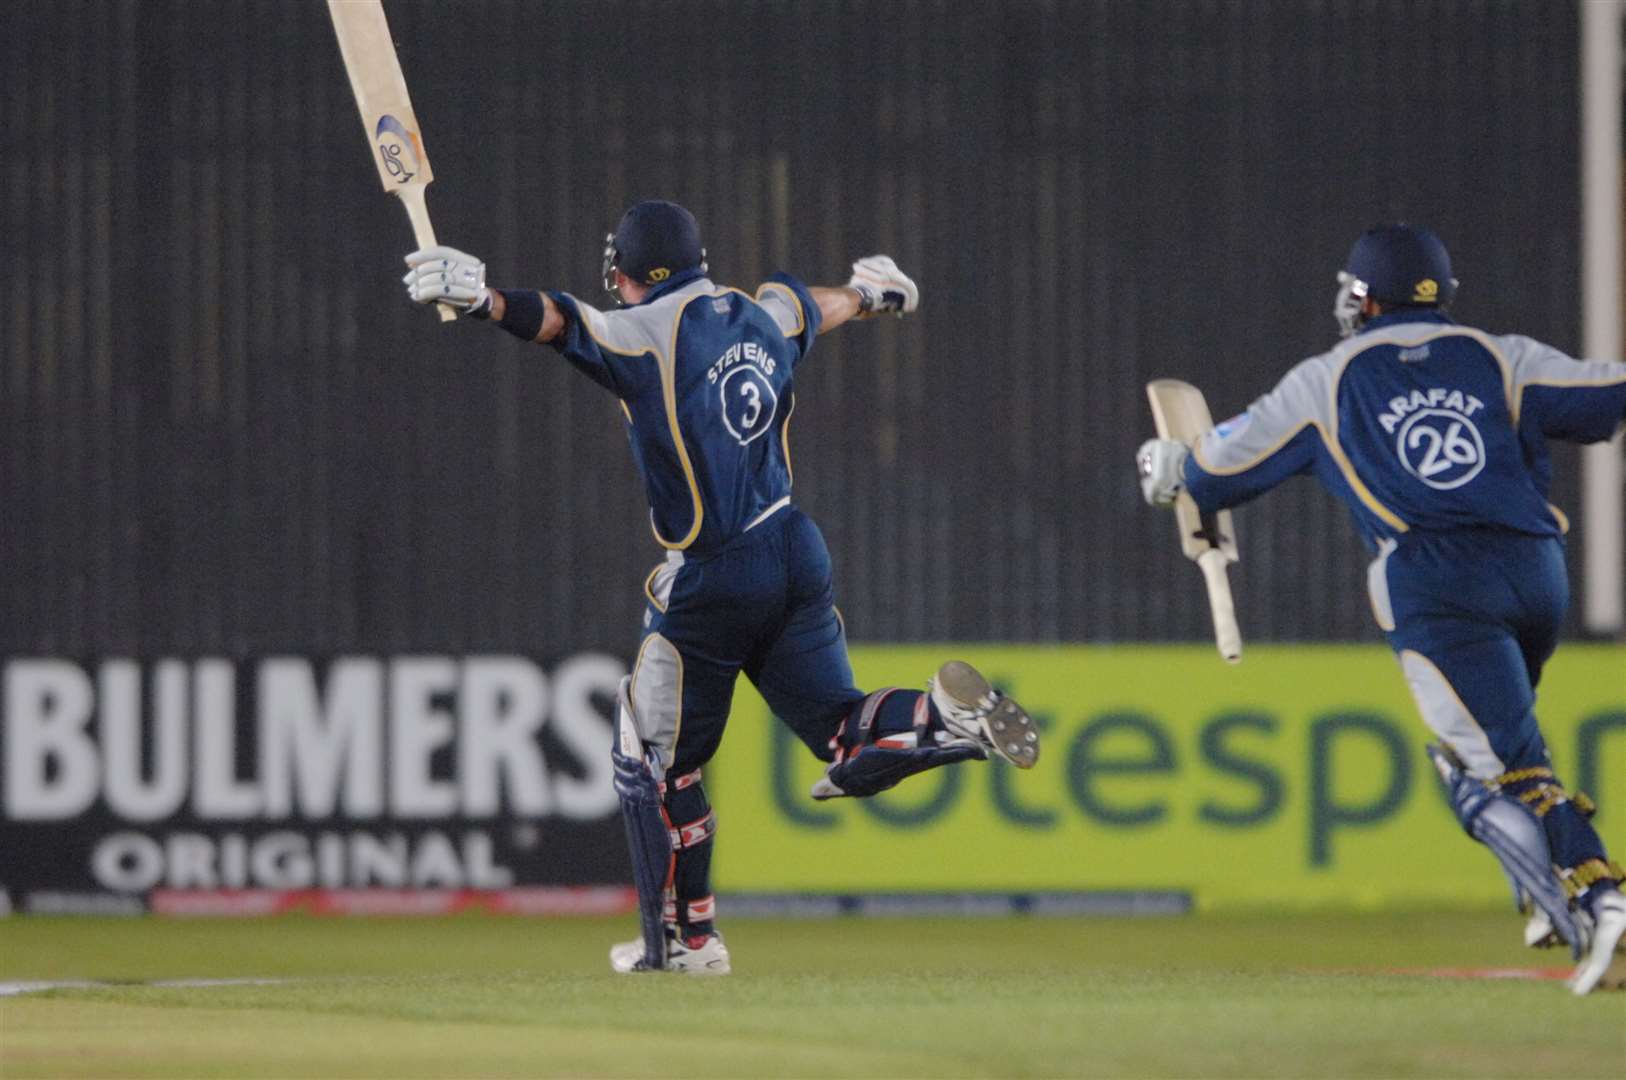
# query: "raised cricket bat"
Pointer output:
{"type": "Point", "coordinates": [1181, 413]}
{"type": "Point", "coordinates": [386, 111]}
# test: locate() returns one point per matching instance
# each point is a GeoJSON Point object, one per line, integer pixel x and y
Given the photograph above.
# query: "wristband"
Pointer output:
{"type": "Point", "coordinates": [869, 297]}
{"type": "Point", "coordinates": [523, 313]}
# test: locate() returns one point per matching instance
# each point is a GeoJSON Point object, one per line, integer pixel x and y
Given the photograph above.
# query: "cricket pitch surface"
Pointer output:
{"type": "Point", "coordinates": [1323, 995]}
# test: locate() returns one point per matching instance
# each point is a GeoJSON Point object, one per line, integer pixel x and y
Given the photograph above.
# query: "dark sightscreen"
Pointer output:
{"type": "Point", "coordinates": [222, 427]}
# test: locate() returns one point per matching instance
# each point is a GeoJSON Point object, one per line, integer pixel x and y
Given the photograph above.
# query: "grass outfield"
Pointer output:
{"type": "Point", "coordinates": [492, 996]}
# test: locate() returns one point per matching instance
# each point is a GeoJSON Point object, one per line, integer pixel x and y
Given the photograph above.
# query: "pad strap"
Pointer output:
{"type": "Point", "coordinates": [698, 911]}
{"type": "Point", "coordinates": [1578, 879]}
{"type": "Point", "coordinates": [1542, 798]}
{"type": "Point", "coordinates": [688, 779]}
{"type": "Point", "coordinates": [695, 832]}
{"type": "Point", "coordinates": [854, 733]}
{"type": "Point", "coordinates": [880, 767]}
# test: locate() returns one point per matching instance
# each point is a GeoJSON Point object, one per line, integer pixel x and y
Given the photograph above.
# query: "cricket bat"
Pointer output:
{"type": "Point", "coordinates": [386, 111]}
{"type": "Point", "coordinates": [1181, 413]}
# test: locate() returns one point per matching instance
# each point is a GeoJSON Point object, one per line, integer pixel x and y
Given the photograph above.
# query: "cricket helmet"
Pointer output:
{"type": "Point", "coordinates": [1398, 266]}
{"type": "Point", "coordinates": [655, 240]}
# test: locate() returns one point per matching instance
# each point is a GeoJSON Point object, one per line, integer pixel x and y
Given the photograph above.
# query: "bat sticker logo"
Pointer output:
{"type": "Point", "coordinates": [398, 148]}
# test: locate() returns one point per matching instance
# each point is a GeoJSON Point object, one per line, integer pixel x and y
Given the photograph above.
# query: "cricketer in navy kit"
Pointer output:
{"type": "Point", "coordinates": [705, 376]}
{"type": "Point", "coordinates": [1435, 435]}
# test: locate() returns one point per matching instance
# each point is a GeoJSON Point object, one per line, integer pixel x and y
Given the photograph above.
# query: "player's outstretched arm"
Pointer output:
{"type": "Point", "coordinates": [877, 286]}
{"type": "Point", "coordinates": [444, 275]}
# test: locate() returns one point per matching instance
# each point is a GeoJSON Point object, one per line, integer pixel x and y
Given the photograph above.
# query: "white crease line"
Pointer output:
{"type": "Point", "coordinates": [14, 989]}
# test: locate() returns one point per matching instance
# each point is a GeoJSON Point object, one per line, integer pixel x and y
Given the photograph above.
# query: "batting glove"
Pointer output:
{"type": "Point", "coordinates": [1162, 466]}
{"type": "Point", "coordinates": [881, 286]}
{"type": "Point", "coordinates": [443, 275]}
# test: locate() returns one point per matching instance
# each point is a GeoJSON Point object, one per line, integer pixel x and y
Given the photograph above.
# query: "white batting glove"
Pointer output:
{"type": "Point", "coordinates": [881, 286]}
{"type": "Point", "coordinates": [443, 275]}
{"type": "Point", "coordinates": [1161, 464]}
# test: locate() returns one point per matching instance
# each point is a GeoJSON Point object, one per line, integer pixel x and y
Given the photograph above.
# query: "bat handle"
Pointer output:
{"type": "Point", "coordinates": [1226, 634]}
{"type": "Point", "coordinates": [418, 213]}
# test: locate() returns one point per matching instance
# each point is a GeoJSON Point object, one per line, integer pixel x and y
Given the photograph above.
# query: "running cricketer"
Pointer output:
{"type": "Point", "coordinates": [1435, 435]}
{"type": "Point", "coordinates": [705, 378]}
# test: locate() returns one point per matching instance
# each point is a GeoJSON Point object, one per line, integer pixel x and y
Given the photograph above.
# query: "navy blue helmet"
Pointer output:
{"type": "Point", "coordinates": [1398, 266]}
{"type": "Point", "coordinates": [655, 240]}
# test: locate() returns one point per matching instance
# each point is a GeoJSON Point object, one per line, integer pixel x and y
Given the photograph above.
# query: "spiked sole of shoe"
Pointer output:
{"type": "Point", "coordinates": [1013, 733]}
{"type": "Point", "coordinates": [1009, 730]}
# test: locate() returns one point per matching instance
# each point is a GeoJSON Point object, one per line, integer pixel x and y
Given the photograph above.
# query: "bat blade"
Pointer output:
{"type": "Point", "coordinates": [1181, 413]}
{"type": "Point", "coordinates": [381, 93]}
{"type": "Point", "coordinates": [386, 111]}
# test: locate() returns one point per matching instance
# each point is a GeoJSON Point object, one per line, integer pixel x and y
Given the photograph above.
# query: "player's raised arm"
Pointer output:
{"type": "Point", "coordinates": [444, 275]}
{"type": "Point", "coordinates": [877, 286]}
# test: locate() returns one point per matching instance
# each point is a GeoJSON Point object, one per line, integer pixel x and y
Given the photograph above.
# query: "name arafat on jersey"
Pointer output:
{"type": "Point", "coordinates": [747, 351]}
{"type": "Point", "coordinates": [1457, 401]}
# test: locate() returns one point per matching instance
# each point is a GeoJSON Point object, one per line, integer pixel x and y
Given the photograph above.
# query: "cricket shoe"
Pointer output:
{"type": "Point", "coordinates": [1539, 932]}
{"type": "Point", "coordinates": [1604, 966]}
{"type": "Point", "coordinates": [706, 955]}
{"type": "Point", "coordinates": [972, 709]}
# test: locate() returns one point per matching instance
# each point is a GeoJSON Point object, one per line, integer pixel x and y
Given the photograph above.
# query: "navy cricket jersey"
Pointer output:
{"type": "Point", "coordinates": [704, 374]}
{"type": "Point", "coordinates": [1418, 423]}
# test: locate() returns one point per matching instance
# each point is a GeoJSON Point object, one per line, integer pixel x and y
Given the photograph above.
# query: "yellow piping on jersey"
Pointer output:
{"type": "Point", "coordinates": [801, 315]}
{"type": "Point", "coordinates": [1513, 395]}
{"type": "Point", "coordinates": [1484, 339]}
{"type": "Point", "coordinates": [1217, 470]}
{"type": "Point", "coordinates": [649, 589]}
{"type": "Point", "coordinates": [668, 370]}
{"type": "Point", "coordinates": [784, 440]}
{"type": "Point", "coordinates": [1329, 435]}
{"type": "Point", "coordinates": [1339, 458]}
{"type": "Point", "coordinates": [1518, 397]}
{"type": "Point", "coordinates": [587, 324]}
{"type": "Point", "coordinates": [1356, 484]}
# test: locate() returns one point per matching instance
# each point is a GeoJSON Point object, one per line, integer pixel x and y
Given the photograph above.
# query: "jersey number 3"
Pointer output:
{"type": "Point", "coordinates": [749, 403]}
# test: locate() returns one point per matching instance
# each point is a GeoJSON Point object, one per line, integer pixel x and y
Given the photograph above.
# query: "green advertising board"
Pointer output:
{"type": "Point", "coordinates": [1296, 778]}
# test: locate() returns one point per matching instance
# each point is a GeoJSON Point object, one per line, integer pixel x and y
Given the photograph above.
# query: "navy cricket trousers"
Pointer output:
{"type": "Point", "coordinates": [762, 604]}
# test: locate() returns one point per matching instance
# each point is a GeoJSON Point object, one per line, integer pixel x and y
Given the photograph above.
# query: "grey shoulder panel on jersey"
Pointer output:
{"type": "Point", "coordinates": [637, 330]}
{"type": "Point", "coordinates": [1534, 362]}
{"type": "Point", "coordinates": [783, 305]}
{"type": "Point", "coordinates": [1303, 396]}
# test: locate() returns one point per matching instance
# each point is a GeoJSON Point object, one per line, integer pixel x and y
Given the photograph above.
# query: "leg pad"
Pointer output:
{"type": "Point", "coordinates": [649, 834]}
{"type": "Point", "coordinates": [1515, 837]}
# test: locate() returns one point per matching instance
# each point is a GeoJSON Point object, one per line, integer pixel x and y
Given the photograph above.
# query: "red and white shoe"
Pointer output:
{"type": "Point", "coordinates": [695, 956]}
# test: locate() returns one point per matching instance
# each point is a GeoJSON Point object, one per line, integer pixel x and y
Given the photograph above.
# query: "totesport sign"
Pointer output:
{"type": "Point", "coordinates": [1297, 778]}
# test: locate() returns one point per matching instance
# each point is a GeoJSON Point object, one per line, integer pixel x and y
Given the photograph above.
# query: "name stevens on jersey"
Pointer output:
{"type": "Point", "coordinates": [1438, 397]}
{"type": "Point", "coordinates": [749, 352]}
